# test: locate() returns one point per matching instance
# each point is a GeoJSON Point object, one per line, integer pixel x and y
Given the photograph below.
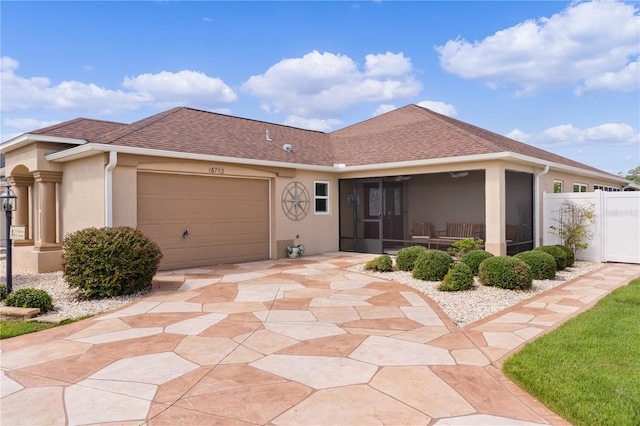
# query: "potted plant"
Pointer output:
{"type": "Point", "coordinates": [295, 251]}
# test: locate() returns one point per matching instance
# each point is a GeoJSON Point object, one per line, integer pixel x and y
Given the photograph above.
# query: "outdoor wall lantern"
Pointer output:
{"type": "Point", "coordinates": [8, 202]}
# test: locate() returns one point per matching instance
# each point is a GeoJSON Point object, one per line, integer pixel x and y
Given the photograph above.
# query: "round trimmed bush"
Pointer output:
{"type": "Point", "coordinates": [543, 265]}
{"type": "Point", "coordinates": [505, 272]}
{"type": "Point", "coordinates": [571, 256]}
{"type": "Point", "coordinates": [432, 265]}
{"type": "Point", "coordinates": [406, 257]}
{"type": "Point", "coordinates": [474, 258]}
{"type": "Point", "coordinates": [558, 254]}
{"type": "Point", "coordinates": [107, 262]}
{"type": "Point", "coordinates": [458, 278]}
{"type": "Point", "coordinates": [381, 263]}
{"type": "Point", "coordinates": [30, 298]}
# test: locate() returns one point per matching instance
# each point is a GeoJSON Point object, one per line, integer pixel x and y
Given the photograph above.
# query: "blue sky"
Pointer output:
{"type": "Point", "coordinates": [562, 76]}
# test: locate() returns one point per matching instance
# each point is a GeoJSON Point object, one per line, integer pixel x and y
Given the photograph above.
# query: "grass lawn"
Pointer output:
{"type": "Point", "coordinates": [588, 370]}
{"type": "Point", "coordinates": [13, 328]}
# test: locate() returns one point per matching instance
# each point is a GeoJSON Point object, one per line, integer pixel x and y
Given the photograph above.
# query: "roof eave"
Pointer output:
{"type": "Point", "coordinates": [28, 138]}
{"type": "Point", "coordinates": [90, 149]}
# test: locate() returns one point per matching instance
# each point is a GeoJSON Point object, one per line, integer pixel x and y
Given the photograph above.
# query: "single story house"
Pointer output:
{"type": "Point", "coordinates": [211, 188]}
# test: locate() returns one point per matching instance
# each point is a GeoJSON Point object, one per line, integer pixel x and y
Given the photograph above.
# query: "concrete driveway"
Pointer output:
{"type": "Point", "coordinates": [284, 342]}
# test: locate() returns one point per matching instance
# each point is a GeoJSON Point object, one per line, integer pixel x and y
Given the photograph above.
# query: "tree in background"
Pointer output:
{"type": "Point", "coordinates": [633, 175]}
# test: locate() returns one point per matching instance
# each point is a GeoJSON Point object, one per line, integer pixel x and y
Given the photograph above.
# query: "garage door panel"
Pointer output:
{"type": "Point", "coordinates": [227, 218]}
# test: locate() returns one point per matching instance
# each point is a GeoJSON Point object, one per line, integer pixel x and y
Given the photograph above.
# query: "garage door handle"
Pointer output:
{"type": "Point", "coordinates": [185, 234]}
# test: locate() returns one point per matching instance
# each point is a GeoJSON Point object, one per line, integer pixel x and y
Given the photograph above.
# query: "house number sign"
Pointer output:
{"type": "Point", "coordinates": [216, 170]}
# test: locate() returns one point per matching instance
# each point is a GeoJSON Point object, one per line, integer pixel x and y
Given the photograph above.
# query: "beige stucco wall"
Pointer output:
{"type": "Point", "coordinates": [318, 232]}
{"type": "Point", "coordinates": [82, 194]}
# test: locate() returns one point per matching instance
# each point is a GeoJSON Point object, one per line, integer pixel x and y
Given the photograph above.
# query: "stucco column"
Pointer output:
{"type": "Point", "coordinates": [20, 186]}
{"type": "Point", "coordinates": [495, 211]}
{"type": "Point", "coordinates": [47, 181]}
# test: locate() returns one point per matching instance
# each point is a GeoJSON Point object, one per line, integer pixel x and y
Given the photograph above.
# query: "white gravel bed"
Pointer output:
{"type": "Point", "coordinates": [464, 307]}
{"type": "Point", "coordinates": [67, 301]}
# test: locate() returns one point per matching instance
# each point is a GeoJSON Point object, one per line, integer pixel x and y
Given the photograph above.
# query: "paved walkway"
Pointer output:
{"type": "Point", "coordinates": [285, 342]}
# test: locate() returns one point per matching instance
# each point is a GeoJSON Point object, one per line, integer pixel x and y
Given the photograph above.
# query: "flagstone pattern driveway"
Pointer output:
{"type": "Point", "coordinates": [302, 341]}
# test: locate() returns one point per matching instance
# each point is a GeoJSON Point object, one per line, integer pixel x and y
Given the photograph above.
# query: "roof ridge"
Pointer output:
{"type": "Point", "coordinates": [63, 124]}
{"type": "Point", "coordinates": [113, 136]}
{"type": "Point", "coordinates": [447, 121]}
{"type": "Point", "coordinates": [254, 120]}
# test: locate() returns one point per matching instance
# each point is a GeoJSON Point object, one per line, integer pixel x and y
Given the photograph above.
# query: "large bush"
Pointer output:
{"type": "Point", "coordinates": [107, 262]}
{"type": "Point", "coordinates": [474, 258]}
{"type": "Point", "coordinates": [30, 298]}
{"type": "Point", "coordinates": [432, 265]}
{"type": "Point", "coordinates": [381, 264]}
{"type": "Point", "coordinates": [505, 272]}
{"type": "Point", "coordinates": [558, 254]}
{"type": "Point", "coordinates": [458, 278]}
{"type": "Point", "coordinates": [571, 256]}
{"type": "Point", "coordinates": [543, 265]}
{"type": "Point", "coordinates": [406, 257]}
{"type": "Point", "coordinates": [461, 247]}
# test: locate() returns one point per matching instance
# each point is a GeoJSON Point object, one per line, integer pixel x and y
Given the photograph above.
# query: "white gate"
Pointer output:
{"type": "Point", "coordinates": [616, 231]}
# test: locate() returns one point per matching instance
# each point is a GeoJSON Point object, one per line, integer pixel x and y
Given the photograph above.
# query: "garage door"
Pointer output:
{"type": "Point", "coordinates": [203, 220]}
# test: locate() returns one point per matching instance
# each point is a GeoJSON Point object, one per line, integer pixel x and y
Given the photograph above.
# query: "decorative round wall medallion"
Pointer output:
{"type": "Point", "coordinates": [295, 201]}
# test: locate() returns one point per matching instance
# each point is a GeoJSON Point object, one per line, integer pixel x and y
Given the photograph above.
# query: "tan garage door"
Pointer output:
{"type": "Point", "coordinates": [202, 220]}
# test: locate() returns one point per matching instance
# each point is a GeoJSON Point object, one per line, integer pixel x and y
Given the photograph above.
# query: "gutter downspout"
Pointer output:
{"type": "Point", "coordinates": [536, 206]}
{"type": "Point", "coordinates": [108, 189]}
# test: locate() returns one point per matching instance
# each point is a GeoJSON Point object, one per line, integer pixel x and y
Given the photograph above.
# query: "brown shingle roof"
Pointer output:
{"type": "Point", "coordinates": [409, 133]}
{"type": "Point", "coordinates": [80, 128]}
{"type": "Point", "coordinates": [415, 133]}
{"type": "Point", "coordinates": [199, 132]}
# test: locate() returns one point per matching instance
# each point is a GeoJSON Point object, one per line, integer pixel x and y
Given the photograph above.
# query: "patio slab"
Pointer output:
{"type": "Point", "coordinates": [284, 342]}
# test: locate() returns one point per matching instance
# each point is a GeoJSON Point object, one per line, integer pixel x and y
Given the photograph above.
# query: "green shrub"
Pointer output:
{"type": "Point", "coordinates": [558, 254]}
{"type": "Point", "coordinates": [505, 272]}
{"type": "Point", "coordinates": [406, 257]}
{"type": "Point", "coordinates": [461, 247]}
{"type": "Point", "coordinates": [107, 262]}
{"type": "Point", "coordinates": [458, 278]}
{"type": "Point", "coordinates": [432, 265]}
{"type": "Point", "coordinates": [30, 298]}
{"type": "Point", "coordinates": [3, 291]}
{"type": "Point", "coordinates": [474, 258]}
{"type": "Point", "coordinates": [381, 263]}
{"type": "Point", "coordinates": [543, 265]}
{"type": "Point", "coordinates": [571, 256]}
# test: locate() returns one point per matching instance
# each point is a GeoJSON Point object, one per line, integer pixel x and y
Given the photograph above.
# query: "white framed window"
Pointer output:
{"type": "Point", "coordinates": [557, 186]}
{"type": "Point", "coordinates": [579, 187]}
{"type": "Point", "coordinates": [605, 188]}
{"type": "Point", "coordinates": [321, 197]}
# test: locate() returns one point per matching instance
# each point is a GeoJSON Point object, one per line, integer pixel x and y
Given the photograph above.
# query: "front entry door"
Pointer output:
{"type": "Point", "coordinates": [368, 216]}
{"type": "Point", "coordinates": [393, 217]}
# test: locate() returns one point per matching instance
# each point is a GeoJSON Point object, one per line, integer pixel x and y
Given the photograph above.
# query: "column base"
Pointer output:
{"type": "Point", "coordinates": [22, 243]}
{"type": "Point", "coordinates": [42, 247]}
{"type": "Point", "coordinates": [28, 259]}
{"type": "Point", "coordinates": [497, 249]}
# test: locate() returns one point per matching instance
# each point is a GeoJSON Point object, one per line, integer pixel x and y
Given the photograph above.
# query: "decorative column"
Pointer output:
{"type": "Point", "coordinates": [21, 185]}
{"type": "Point", "coordinates": [47, 181]}
{"type": "Point", "coordinates": [495, 210]}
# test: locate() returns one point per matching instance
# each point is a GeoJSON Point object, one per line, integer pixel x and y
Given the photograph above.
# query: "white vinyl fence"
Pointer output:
{"type": "Point", "coordinates": [616, 231]}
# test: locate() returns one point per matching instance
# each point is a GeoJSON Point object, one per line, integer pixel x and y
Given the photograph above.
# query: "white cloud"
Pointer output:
{"type": "Point", "coordinates": [625, 80]}
{"type": "Point", "coordinates": [389, 64]}
{"type": "Point", "coordinates": [190, 88]}
{"type": "Point", "coordinates": [158, 90]}
{"type": "Point", "coordinates": [569, 135]}
{"type": "Point", "coordinates": [440, 107]}
{"type": "Point", "coordinates": [325, 84]}
{"type": "Point", "coordinates": [27, 124]}
{"type": "Point", "coordinates": [382, 109]}
{"type": "Point", "coordinates": [587, 42]}
{"type": "Point", "coordinates": [312, 123]}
